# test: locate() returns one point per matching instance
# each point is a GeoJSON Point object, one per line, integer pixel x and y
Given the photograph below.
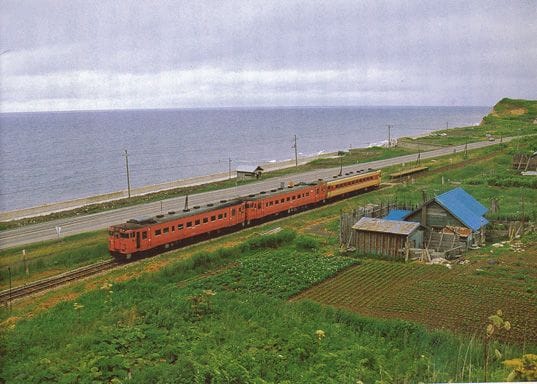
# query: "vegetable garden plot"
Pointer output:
{"type": "Point", "coordinates": [433, 295]}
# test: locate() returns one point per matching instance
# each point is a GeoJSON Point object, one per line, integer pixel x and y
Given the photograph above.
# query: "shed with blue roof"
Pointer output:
{"type": "Point", "coordinates": [451, 210]}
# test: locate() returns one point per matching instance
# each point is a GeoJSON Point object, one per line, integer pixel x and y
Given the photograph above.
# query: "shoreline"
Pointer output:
{"type": "Point", "coordinates": [66, 205]}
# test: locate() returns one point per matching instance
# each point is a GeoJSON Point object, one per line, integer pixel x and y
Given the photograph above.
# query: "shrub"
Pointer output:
{"type": "Point", "coordinates": [269, 241]}
{"type": "Point", "coordinates": [307, 243]}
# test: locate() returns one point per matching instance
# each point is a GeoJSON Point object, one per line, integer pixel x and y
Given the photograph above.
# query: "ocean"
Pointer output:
{"type": "Point", "coordinates": [54, 156]}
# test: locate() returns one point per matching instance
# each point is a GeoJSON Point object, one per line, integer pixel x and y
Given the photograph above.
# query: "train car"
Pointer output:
{"type": "Point", "coordinates": [138, 236]}
{"type": "Point", "coordinates": [352, 182]}
{"type": "Point", "coordinates": [153, 234]}
{"type": "Point", "coordinates": [283, 200]}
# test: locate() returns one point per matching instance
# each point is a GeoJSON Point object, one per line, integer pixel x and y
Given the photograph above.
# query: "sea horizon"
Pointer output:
{"type": "Point", "coordinates": [249, 107]}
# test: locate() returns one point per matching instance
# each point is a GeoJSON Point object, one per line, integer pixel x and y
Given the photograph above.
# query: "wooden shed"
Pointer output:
{"type": "Point", "coordinates": [249, 172]}
{"type": "Point", "coordinates": [386, 237]}
{"type": "Point", "coordinates": [453, 211]}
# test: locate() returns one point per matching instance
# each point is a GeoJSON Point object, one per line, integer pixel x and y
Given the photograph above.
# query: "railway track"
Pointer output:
{"type": "Point", "coordinates": [54, 281]}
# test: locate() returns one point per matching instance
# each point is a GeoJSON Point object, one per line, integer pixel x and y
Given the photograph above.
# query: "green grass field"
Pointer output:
{"type": "Point", "coordinates": [223, 317]}
{"type": "Point", "coordinates": [287, 307]}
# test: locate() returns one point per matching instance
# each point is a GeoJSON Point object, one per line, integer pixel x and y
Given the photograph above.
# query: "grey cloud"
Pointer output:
{"type": "Point", "coordinates": [434, 48]}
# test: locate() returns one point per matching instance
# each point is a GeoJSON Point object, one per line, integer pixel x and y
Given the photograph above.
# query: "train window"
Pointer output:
{"type": "Point", "coordinates": [157, 232]}
{"type": "Point", "coordinates": [205, 220]}
{"type": "Point", "coordinates": [259, 206]}
{"type": "Point", "coordinates": [132, 235]}
{"type": "Point", "coordinates": [166, 230]}
{"type": "Point", "coordinates": [225, 214]}
{"type": "Point", "coordinates": [276, 201]}
{"type": "Point", "coordinates": [307, 194]}
{"type": "Point", "coordinates": [189, 224]}
{"type": "Point", "coordinates": [144, 235]}
{"type": "Point", "coordinates": [124, 235]}
{"type": "Point", "coordinates": [282, 200]}
{"type": "Point", "coordinates": [213, 218]}
{"type": "Point", "coordinates": [220, 216]}
{"type": "Point", "coordinates": [233, 212]}
{"type": "Point", "coordinates": [179, 227]}
{"type": "Point", "coordinates": [197, 222]}
{"type": "Point", "coordinates": [266, 204]}
{"type": "Point", "coordinates": [293, 197]}
{"type": "Point", "coordinates": [173, 228]}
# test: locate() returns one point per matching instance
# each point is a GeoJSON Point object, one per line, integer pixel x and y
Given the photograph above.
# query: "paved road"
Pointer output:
{"type": "Point", "coordinates": [70, 226]}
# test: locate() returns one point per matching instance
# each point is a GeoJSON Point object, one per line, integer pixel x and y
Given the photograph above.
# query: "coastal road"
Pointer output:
{"type": "Point", "coordinates": [71, 226]}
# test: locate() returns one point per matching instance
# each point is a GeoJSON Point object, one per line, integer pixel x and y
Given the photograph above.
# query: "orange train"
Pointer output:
{"type": "Point", "coordinates": [142, 236]}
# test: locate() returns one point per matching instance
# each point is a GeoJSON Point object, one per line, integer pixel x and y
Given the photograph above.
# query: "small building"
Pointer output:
{"type": "Point", "coordinates": [455, 211]}
{"type": "Point", "coordinates": [386, 237]}
{"type": "Point", "coordinates": [245, 172]}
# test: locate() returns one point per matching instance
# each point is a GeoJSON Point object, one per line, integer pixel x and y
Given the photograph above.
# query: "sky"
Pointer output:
{"type": "Point", "coordinates": [92, 55]}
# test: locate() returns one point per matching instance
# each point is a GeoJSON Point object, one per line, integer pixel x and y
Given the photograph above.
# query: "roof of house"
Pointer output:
{"type": "Point", "coordinates": [464, 207]}
{"type": "Point", "coordinates": [249, 168]}
{"type": "Point", "coordinates": [386, 226]}
{"type": "Point", "coordinates": [397, 214]}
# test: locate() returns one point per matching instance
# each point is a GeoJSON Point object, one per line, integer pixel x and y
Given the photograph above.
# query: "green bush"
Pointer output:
{"type": "Point", "coordinates": [268, 241]}
{"type": "Point", "coordinates": [307, 243]}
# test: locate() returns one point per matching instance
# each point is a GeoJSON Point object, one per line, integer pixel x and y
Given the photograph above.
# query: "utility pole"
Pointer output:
{"type": "Point", "coordinates": [447, 124]}
{"type": "Point", "coordinates": [390, 135]}
{"type": "Point", "coordinates": [128, 175]}
{"type": "Point", "coordinates": [296, 153]}
{"type": "Point", "coordinates": [466, 149]}
{"type": "Point", "coordinates": [9, 271]}
{"type": "Point", "coordinates": [229, 163]}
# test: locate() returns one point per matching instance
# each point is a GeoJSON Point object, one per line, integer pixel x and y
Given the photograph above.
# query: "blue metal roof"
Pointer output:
{"type": "Point", "coordinates": [464, 207]}
{"type": "Point", "coordinates": [397, 214]}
